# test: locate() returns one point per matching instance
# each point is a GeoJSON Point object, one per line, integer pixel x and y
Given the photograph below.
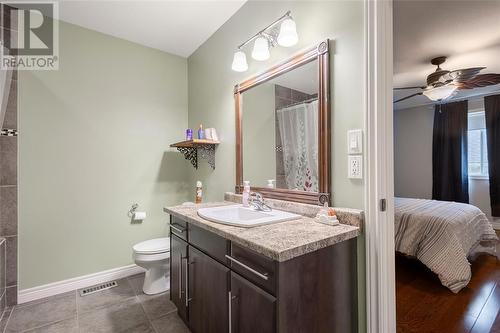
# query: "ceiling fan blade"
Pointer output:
{"type": "Point", "coordinates": [403, 88]}
{"type": "Point", "coordinates": [409, 96]}
{"type": "Point", "coordinates": [480, 81]}
{"type": "Point", "coordinates": [462, 75]}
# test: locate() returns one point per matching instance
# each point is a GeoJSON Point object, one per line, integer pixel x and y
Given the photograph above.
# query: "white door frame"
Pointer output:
{"type": "Point", "coordinates": [379, 226]}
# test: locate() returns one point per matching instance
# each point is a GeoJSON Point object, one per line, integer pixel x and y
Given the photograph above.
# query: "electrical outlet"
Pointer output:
{"type": "Point", "coordinates": [355, 167]}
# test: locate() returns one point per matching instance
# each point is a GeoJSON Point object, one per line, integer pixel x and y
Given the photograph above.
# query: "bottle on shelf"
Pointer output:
{"type": "Point", "coordinates": [199, 192]}
{"type": "Point", "coordinates": [201, 132]}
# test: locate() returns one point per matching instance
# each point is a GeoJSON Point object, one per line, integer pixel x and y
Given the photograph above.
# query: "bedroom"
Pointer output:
{"type": "Point", "coordinates": [446, 144]}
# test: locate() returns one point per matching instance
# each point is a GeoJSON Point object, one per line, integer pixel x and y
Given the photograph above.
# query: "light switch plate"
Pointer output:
{"type": "Point", "coordinates": [355, 168]}
{"type": "Point", "coordinates": [355, 141]}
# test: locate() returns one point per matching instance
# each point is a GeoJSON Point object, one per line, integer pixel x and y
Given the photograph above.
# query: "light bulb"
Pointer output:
{"type": "Point", "coordinates": [261, 49]}
{"type": "Point", "coordinates": [439, 93]}
{"type": "Point", "coordinates": [288, 33]}
{"type": "Point", "coordinates": [239, 61]}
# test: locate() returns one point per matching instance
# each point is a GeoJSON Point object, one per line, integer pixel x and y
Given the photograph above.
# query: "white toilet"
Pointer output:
{"type": "Point", "coordinates": [153, 255]}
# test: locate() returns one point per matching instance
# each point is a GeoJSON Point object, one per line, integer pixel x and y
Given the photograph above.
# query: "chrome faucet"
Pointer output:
{"type": "Point", "coordinates": [256, 200]}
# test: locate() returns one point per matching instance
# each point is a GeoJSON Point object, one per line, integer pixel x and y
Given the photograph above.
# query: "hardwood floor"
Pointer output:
{"type": "Point", "coordinates": [424, 305]}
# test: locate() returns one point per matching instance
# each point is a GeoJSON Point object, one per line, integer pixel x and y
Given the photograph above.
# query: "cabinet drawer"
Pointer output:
{"type": "Point", "coordinates": [253, 266]}
{"type": "Point", "coordinates": [178, 227]}
{"type": "Point", "coordinates": [210, 243]}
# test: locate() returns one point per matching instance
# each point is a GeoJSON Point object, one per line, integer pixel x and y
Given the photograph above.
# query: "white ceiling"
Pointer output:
{"type": "Point", "coordinates": [468, 32]}
{"type": "Point", "coordinates": [177, 27]}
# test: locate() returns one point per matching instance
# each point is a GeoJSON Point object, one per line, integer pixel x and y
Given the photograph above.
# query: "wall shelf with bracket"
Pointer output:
{"type": "Point", "coordinates": [191, 149]}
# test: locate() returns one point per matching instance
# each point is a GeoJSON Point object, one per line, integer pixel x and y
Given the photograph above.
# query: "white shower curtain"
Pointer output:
{"type": "Point", "coordinates": [298, 126]}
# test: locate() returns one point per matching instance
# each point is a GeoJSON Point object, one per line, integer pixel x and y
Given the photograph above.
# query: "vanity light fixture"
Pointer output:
{"type": "Point", "coordinates": [284, 35]}
{"type": "Point", "coordinates": [288, 33]}
{"type": "Point", "coordinates": [261, 49]}
{"type": "Point", "coordinates": [239, 61]}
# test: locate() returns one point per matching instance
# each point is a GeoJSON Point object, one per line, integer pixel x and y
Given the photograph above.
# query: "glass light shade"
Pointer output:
{"type": "Point", "coordinates": [439, 93]}
{"type": "Point", "coordinates": [239, 61]}
{"type": "Point", "coordinates": [261, 49]}
{"type": "Point", "coordinates": [288, 33]}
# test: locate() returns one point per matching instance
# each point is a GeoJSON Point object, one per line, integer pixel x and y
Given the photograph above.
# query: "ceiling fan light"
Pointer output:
{"type": "Point", "coordinates": [261, 49]}
{"type": "Point", "coordinates": [288, 33]}
{"type": "Point", "coordinates": [440, 93]}
{"type": "Point", "coordinates": [239, 61]}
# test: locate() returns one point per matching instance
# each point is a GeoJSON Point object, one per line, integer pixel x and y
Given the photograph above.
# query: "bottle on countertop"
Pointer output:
{"type": "Point", "coordinates": [246, 193]}
{"type": "Point", "coordinates": [270, 183]}
{"type": "Point", "coordinates": [201, 132]}
{"type": "Point", "coordinates": [199, 192]}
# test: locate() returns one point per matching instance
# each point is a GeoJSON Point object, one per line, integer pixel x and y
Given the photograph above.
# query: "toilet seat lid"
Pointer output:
{"type": "Point", "coordinates": [152, 246]}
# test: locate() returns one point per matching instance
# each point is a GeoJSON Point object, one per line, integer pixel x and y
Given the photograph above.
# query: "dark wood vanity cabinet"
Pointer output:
{"type": "Point", "coordinates": [222, 287]}
{"type": "Point", "coordinates": [208, 294]}
{"type": "Point", "coordinates": [178, 274]}
{"type": "Point", "coordinates": [252, 309]}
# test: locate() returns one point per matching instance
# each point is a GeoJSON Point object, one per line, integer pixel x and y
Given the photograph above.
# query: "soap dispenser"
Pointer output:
{"type": "Point", "coordinates": [246, 193]}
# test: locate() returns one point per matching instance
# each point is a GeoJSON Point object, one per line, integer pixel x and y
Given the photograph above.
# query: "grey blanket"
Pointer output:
{"type": "Point", "coordinates": [441, 234]}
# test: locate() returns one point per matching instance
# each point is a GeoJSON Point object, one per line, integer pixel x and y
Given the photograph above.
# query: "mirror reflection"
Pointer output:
{"type": "Point", "coordinates": [280, 131]}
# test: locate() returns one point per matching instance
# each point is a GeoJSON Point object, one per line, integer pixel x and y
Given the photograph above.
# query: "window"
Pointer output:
{"type": "Point", "coordinates": [477, 148]}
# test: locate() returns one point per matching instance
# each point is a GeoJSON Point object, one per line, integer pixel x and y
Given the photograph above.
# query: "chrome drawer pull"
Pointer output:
{"type": "Point", "coordinates": [177, 229]}
{"type": "Point", "coordinates": [180, 275]}
{"type": "Point", "coordinates": [230, 311]}
{"type": "Point", "coordinates": [186, 294]}
{"type": "Point", "coordinates": [261, 275]}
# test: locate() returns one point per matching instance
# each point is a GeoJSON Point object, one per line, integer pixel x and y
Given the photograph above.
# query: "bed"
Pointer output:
{"type": "Point", "coordinates": [442, 235]}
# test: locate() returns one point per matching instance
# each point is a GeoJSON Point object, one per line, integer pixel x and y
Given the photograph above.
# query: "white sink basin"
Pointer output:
{"type": "Point", "coordinates": [240, 216]}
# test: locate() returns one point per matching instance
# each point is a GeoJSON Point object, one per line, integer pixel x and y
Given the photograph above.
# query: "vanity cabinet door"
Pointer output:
{"type": "Point", "coordinates": [252, 309]}
{"type": "Point", "coordinates": [208, 294]}
{"type": "Point", "coordinates": [178, 274]}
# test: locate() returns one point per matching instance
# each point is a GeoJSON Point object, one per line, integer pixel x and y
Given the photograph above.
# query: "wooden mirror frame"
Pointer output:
{"type": "Point", "coordinates": [319, 52]}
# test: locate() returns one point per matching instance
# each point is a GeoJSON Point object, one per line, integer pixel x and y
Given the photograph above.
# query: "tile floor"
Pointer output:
{"type": "Point", "coordinates": [121, 309]}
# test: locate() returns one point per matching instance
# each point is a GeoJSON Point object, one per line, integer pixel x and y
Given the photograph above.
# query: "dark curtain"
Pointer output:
{"type": "Point", "coordinates": [492, 114]}
{"type": "Point", "coordinates": [450, 179]}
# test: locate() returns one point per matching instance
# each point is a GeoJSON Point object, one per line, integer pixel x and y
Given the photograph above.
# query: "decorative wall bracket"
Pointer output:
{"type": "Point", "coordinates": [8, 132]}
{"type": "Point", "coordinates": [193, 148]}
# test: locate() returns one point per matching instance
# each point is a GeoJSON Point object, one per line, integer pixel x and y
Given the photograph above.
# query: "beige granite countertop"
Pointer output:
{"type": "Point", "coordinates": [280, 241]}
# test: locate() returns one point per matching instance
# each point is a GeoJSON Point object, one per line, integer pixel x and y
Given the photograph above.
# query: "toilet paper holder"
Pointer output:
{"type": "Point", "coordinates": [135, 216]}
{"type": "Point", "coordinates": [132, 210]}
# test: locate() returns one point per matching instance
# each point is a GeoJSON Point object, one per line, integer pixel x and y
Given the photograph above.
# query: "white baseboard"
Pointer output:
{"type": "Point", "coordinates": [55, 288]}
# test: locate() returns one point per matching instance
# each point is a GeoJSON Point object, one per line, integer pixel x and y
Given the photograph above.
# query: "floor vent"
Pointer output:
{"type": "Point", "coordinates": [97, 288]}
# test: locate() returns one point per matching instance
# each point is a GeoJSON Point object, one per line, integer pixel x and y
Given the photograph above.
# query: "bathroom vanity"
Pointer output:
{"type": "Point", "coordinates": [293, 276]}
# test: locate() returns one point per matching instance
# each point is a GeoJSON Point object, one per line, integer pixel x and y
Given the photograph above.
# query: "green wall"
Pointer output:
{"type": "Point", "coordinates": [211, 83]}
{"type": "Point", "coordinates": [94, 134]}
{"type": "Point", "coordinates": [94, 139]}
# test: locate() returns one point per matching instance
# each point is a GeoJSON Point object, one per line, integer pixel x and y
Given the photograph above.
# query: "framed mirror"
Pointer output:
{"type": "Point", "coordinates": [283, 129]}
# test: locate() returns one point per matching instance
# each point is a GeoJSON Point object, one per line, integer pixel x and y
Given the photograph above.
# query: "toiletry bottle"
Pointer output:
{"type": "Point", "coordinates": [201, 133]}
{"type": "Point", "coordinates": [246, 193]}
{"type": "Point", "coordinates": [199, 192]}
{"type": "Point", "coordinates": [270, 183]}
{"type": "Point", "coordinates": [189, 134]}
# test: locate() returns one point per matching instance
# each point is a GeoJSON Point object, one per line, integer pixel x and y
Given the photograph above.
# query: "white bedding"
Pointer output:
{"type": "Point", "coordinates": [441, 234]}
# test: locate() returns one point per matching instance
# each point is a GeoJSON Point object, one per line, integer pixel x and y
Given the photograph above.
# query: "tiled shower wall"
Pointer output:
{"type": "Point", "coordinates": [8, 195]}
{"type": "Point", "coordinates": [283, 97]}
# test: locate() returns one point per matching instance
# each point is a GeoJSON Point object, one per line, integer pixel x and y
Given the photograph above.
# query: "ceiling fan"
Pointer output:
{"type": "Point", "coordinates": [443, 84]}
